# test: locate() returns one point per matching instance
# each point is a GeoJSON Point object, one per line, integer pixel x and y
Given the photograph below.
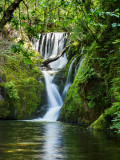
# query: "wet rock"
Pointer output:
{"type": "Point", "coordinates": [1, 96]}
{"type": "Point", "coordinates": [60, 80]}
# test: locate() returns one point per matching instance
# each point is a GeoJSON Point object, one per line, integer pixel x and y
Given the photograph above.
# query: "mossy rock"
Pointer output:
{"type": "Point", "coordinates": [21, 84]}
{"type": "Point", "coordinates": [23, 98]}
{"type": "Point", "coordinates": [105, 120]}
{"type": "Point", "coordinates": [86, 98]}
{"type": "Point", "coordinates": [4, 111]}
{"type": "Point", "coordinates": [60, 79]}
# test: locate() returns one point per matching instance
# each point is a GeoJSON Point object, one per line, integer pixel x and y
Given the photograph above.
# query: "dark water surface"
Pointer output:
{"type": "Point", "coordinates": [27, 140]}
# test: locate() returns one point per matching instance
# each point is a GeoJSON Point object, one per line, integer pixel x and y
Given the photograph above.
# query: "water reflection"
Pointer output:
{"type": "Point", "coordinates": [21, 140]}
{"type": "Point", "coordinates": [53, 141]}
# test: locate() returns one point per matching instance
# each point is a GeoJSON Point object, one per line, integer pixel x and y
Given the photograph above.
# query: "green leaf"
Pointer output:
{"type": "Point", "coordinates": [23, 24]}
{"type": "Point", "coordinates": [58, 23]}
{"type": "Point", "coordinates": [38, 27]}
{"type": "Point", "coordinates": [21, 42]}
{"type": "Point", "coordinates": [27, 61]}
{"type": "Point", "coordinates": [115, 25]}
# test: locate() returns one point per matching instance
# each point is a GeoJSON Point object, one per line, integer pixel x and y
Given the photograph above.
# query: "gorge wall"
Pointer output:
{"type": "Point", "coordinates": [92, 98]}
{"type": "Point", "coordinates": [22, 93]}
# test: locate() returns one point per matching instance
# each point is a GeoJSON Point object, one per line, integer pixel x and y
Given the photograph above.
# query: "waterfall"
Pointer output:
{"type": "Point", "coordinates": [79, 64]}
{"type": "Point", "coordinates": [68, 81]}
{"type": "Point", "coordinates": [54, 99]}
{"type": "Point", "coordinates": [50, 45]}
{"type": "Point", "coordinates": [80, 61]}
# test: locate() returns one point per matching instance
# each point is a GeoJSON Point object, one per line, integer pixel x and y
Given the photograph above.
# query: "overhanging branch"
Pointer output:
{"type": "Point", "coordinates": [46, 62]}
{"type": "Point", "coordinates": [8, 13]}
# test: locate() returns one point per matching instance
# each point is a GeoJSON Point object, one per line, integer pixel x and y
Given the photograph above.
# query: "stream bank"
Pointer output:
{"type": "Point", "coordinates": [93, 97]}
{"type": "Point", "coordinates": [22, 93]}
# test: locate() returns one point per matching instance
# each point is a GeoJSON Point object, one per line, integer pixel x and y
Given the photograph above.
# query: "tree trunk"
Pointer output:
{"type": "Point", "coordinates": [45, 18]}
{"type": "Point", "coordinates": [8, 13]}
{"type": "Point", "coordinates": [46, 62]}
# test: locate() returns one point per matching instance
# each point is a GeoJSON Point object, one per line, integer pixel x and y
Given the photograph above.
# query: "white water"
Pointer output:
{"type": "Point", "coordinates": [79, 64]}
{"type": "Point", "coordinates": [54, 99]}
{"type": "Point", "coordinates": [68, 81]}
{"type": "Point", "coordinates": [80, 61]}
{"type": "Point", "coordinates": [50, 45]}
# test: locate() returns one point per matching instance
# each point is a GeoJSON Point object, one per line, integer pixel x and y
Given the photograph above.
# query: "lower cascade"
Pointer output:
{"type": "Point", "coordinates": [54, 99]}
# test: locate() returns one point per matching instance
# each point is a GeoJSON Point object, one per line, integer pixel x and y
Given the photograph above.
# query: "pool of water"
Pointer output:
{"type": "Point", "coordinates": [32, 140]}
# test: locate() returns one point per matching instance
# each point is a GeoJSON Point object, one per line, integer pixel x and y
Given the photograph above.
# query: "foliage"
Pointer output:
{"type": "Point", "coordinates": [96, 84]}
{"type": "Point", "coordinates": [25, 49]}
{"type": "Point", "coordinates": [82, 18]}
{"type": "Point", "coordinates": [116, 123]}
{"type": "Point", "coordinates": [11, 90]}
{"type": "Point", "coordinates": [116, 92]}
{"type": "Point", "coordinates": [21, 90]}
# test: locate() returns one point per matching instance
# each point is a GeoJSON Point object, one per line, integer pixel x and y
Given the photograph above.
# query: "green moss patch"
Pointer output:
{"type": "Point", "coordinates": [19, 83]}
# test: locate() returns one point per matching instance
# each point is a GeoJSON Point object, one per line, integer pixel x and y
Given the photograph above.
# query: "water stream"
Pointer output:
{"type": "Point", "coordinates": [54, 99]}
{"type": "Point", "coordinates": [36, 140]}
{"type": "Point", "coordinates": [50, 45]}
{"type": "Point", "coordinates": [68, 81]}
{"type": "Point", "coordinates": [47, 139]}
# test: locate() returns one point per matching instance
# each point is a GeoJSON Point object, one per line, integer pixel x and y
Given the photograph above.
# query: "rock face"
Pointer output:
{"type": "Point", "coordinates": [86, 98]}
{"type": "Point", "coordinates": [22, 93]}
{"type": "Point", "coordinates": [60, 80]}
{"type": "Point", "coordinates": [1, 97]}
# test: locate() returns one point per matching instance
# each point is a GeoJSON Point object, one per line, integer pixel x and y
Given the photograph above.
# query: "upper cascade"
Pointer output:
{"type": "Point", "coordinates": [49, 45]}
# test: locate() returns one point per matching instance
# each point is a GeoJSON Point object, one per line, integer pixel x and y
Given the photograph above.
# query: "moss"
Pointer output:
{"type": "Point", "coordinates": [104, 121]}
{"type": "Point", "coordinates": [86, 98]}
{"type": "Point", "coordinates": [1, 103]}
{"type": "Point", "coordinates": [94, 90]}
{"type": "Point", "coordinates": [99, 124]}
{"type": "Point", "coordinates": [11, 90]}
{"type": "Point", "coordinates": [22, 91]}
{"type": "Point", "coordinates": [70, 110]}
{"type": "Point", "coordinates": [37, 59]}
{"type": "Point", "coordinates": [23, 98]}
{"type": "Point", "coordinates": [29, 92]}
{"type": "Point", "coordinates": [3, 110]}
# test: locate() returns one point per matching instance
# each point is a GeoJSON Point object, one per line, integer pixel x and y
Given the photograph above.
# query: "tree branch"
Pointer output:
{"type": "Point", "coordinates": [46, 62]}
{"type": "Point", "coordinates": [29, 20]}
{"type": "Point", "coordinates": [8, 13]}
